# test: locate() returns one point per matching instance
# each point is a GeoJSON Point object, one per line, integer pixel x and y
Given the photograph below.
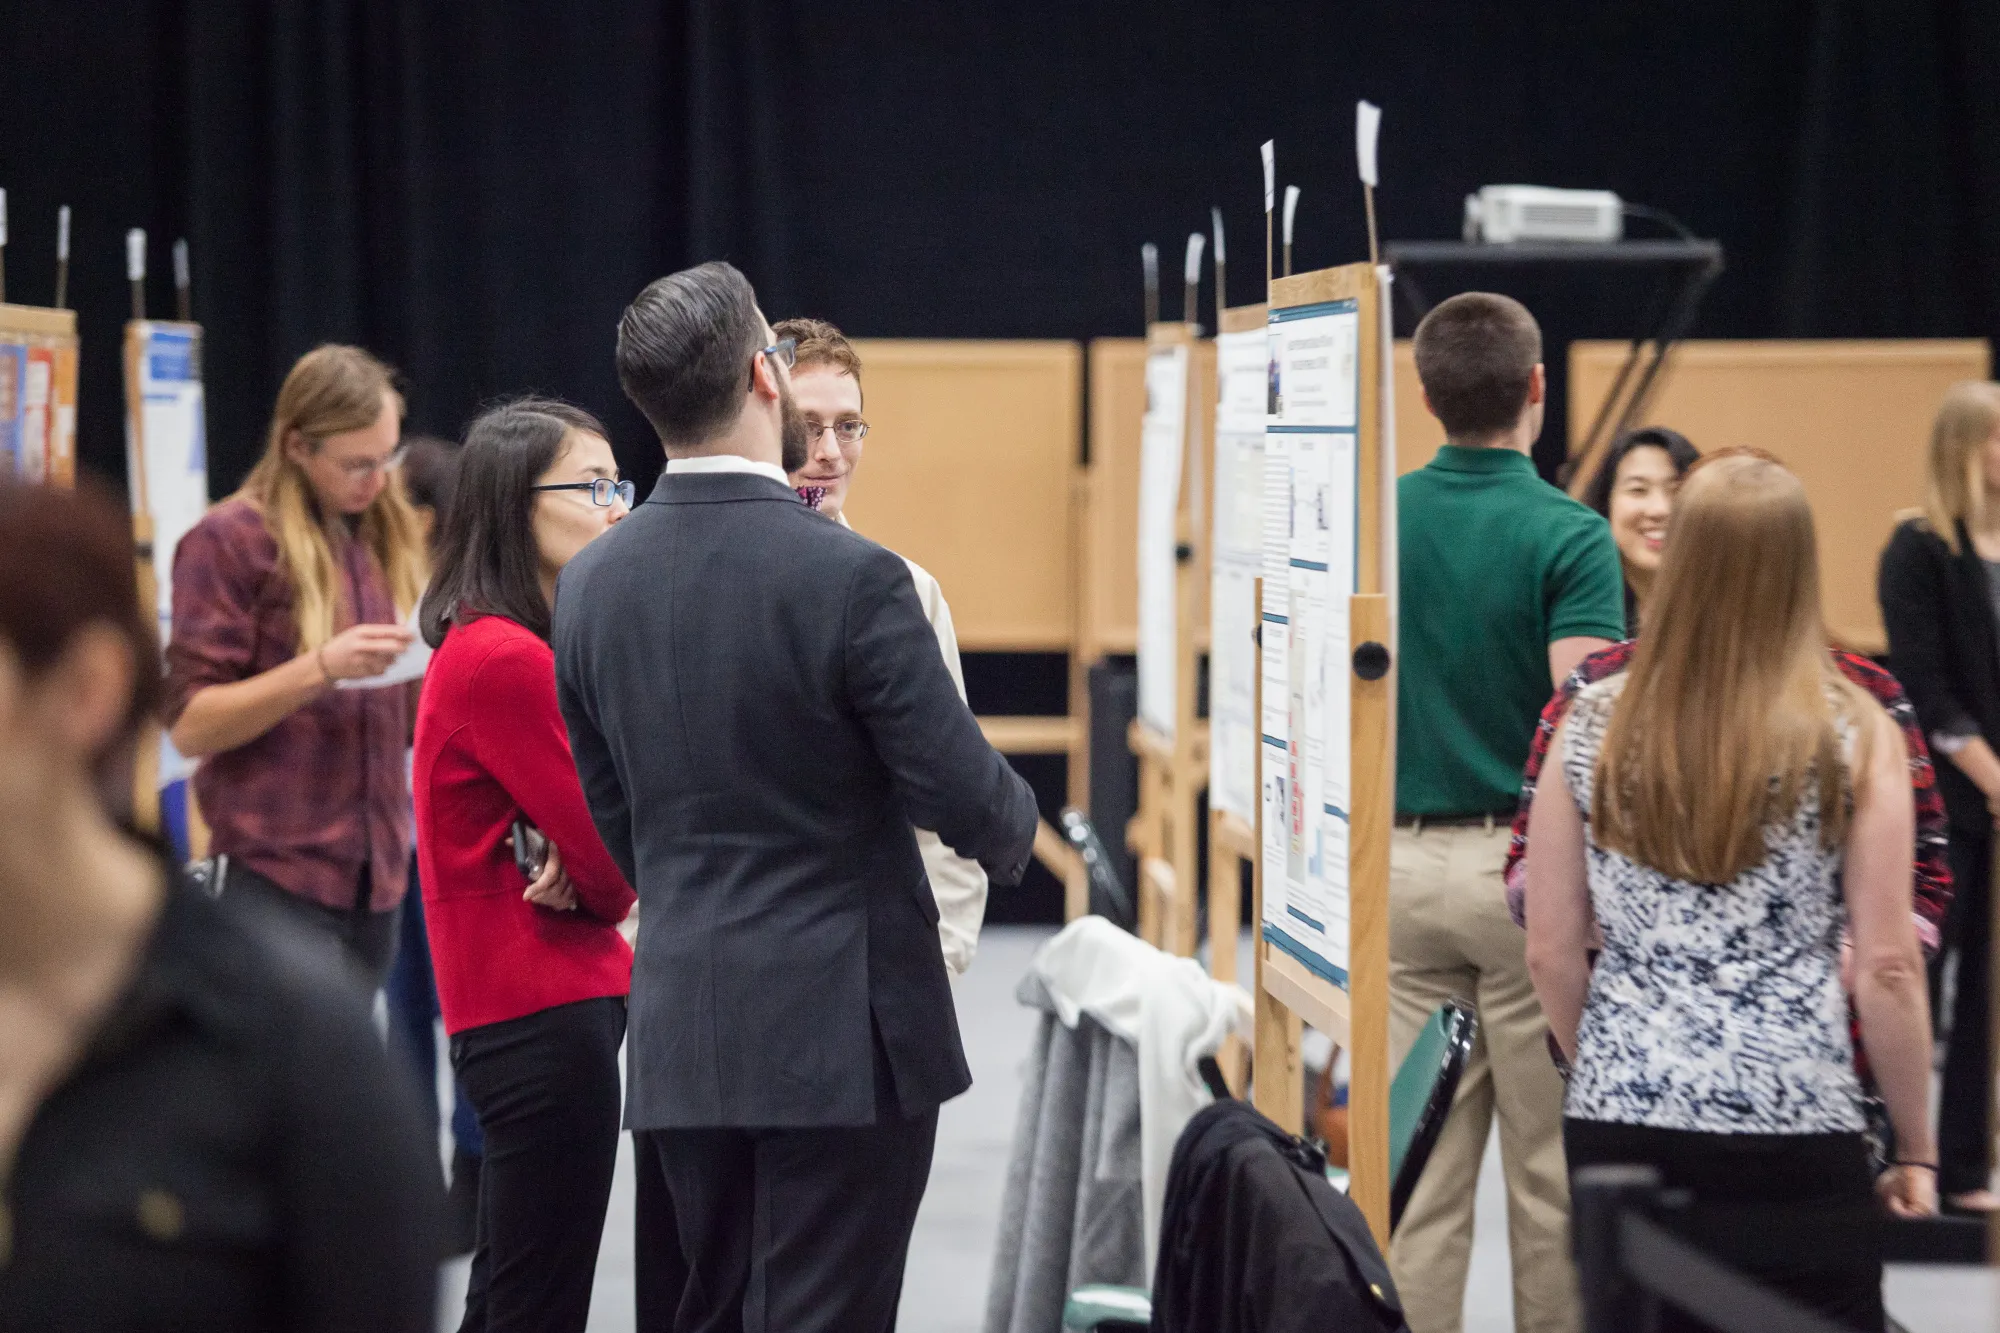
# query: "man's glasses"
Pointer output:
{"type": "Point", "coordinates": [785, 349]}
{"type": "Point", "coordinates": [601, 490]}
{"type": "Point", "coordinates": [356, 469]}
{"type": "Point", "coordinates": [852, 431]}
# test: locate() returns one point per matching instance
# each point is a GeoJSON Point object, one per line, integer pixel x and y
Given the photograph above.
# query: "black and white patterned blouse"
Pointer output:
{"type": "Point", "coordinates": [1714, 1007]}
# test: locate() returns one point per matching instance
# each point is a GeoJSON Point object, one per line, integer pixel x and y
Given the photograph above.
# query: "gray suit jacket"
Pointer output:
{"type": "Point", "coordinates": [759, 715]}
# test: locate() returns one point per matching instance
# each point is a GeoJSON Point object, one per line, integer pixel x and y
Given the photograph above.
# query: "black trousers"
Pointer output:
{"type": "Point", "coordinates": [1751, 1192]}
{"type": "Point", "coordinates": [779, 1230]}
{"type": "Point", "coordinates": [365, 938]}
{"type": "Point", "coordinates": [1965, 1101]}
{"type": "Point", "coordinates": [546, 1089]}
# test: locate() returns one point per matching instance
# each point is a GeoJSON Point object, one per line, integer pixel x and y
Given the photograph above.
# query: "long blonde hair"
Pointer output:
{"type": "Point", "coordinates": [1955, 490]}
{"type": "Point", "coordinates": [332, 389]}
{"type": "Point", "coordinates": [1732, 704]}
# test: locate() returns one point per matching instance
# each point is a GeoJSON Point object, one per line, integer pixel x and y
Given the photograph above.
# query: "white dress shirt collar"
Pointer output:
{"type": "Point", "coordinates": [729, 463]}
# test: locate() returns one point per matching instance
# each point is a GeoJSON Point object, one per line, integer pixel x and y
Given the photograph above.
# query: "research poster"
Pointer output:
{"type": "Point", "coordinates": [174, 457]}
{"type": "Point", "coordinates": [1235, 561]}
{"type": "Point", "coordinates": [1162, 443]}
{"type": "Point", "coordinates": [1311, 489]}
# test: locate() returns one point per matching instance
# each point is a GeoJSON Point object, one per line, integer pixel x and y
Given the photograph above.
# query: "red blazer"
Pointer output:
{"type": "Point", "coordinates": [490, 748]}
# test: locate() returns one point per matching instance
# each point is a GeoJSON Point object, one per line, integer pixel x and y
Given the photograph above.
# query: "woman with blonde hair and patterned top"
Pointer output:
{"type": "Point", "coordinates": [1717, 814]}
{"type": "Point", "coordinates": [301, 581]}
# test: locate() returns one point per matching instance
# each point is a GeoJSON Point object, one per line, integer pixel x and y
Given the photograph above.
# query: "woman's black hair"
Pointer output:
{"type": "Point", "coordinates": [1598, 495]}
{"type": "Point", "coordinates": [485, 562]}
{"type": "Point", "coordinates": [1677, 445]}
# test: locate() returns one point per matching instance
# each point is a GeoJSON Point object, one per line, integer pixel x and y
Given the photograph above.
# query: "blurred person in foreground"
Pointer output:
{"type": "Point", "coordinates": [198, 1126]}
{"type": "Point", "coordinates": [298, 583]}
{"type": "Point", "coordinates": [532, 974]}
{"type": "Point", "coordinates": [1725, 806]}
{"type": "Point", "coordinates": [759, 714]}
{"type": "Point", "coordinates": [1939, 586]}
{"type": "Point", "coordinates": [1634, 490]}
{"type": "Point", "coordinates": [826, 381]}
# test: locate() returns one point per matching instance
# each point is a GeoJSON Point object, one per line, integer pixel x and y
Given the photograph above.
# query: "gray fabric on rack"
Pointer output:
{"type": "Point", "coordinates": [1072, 1213]}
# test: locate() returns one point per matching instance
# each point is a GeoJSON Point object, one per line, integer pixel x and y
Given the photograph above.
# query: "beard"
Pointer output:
{"type": "Point", "coordinates": [794, 448]}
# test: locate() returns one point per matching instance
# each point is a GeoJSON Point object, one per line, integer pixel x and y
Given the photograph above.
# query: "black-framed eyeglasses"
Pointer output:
{"type": "Point", "coordinates": [785, 349]}
{"type": "Point", "coordinates": [601, 490]}
{"type": "Point", "coordinates": [851, 431]}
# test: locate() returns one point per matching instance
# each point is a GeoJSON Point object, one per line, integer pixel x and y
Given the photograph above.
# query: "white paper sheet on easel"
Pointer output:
{"type": "Point", "coordinates": [1311, 550]}
{"type": "Point", "coordinates": [1236, 558]}
{"type": "Point", "coordinates": [1162, 443]}
{"type": "Point", "coordinates": [409, 665]}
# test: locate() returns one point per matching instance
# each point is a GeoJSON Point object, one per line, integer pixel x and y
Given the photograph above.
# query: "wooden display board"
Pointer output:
{"type": "Point", "coordinates": [1109, 610]}
{"type": "Point", "coordinates": [1851, 418]}
{"type": "Point", "coordinates": [972, 471]}
{"type": "Point", "coordinates": [1173, 765]}
{"type": "Point", "coordinates": [1289, 988]}
{"type": "Point", "coordinates": [38, 378]}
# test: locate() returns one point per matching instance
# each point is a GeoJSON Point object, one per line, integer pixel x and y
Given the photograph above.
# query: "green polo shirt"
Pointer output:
{"type": "Point", "coordinates": [1496, 565]}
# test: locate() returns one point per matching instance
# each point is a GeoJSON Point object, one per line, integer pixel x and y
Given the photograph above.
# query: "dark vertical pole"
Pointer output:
{"type": "Point", "coordinates": [1599, 1197]}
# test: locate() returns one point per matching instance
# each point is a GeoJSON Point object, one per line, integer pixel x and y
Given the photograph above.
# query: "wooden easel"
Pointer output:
{"type": "Point", "coordinates": [1173, 770]}
{"type": "Point", "coordinates": [1288, 991]}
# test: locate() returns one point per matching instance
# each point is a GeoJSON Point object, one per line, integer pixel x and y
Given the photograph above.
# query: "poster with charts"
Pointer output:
{"type": "Point", "coordinates": [170, 412]}
{"type": "Point", "coordinates": [1311, 493]}
{"type": "Point", "coordinates": [1236, 559]}
{"type": "Point", "coordinates": [1162, 442]}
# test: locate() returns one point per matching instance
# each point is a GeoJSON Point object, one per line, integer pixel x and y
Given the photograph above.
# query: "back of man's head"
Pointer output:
{"type": "Point", "coordinates": [1476, 355]}
{"type": "Point", "coordinates": [684, 352]}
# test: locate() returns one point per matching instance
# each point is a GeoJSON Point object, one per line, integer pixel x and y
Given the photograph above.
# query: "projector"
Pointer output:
{"type": "Point", "coordinates": [1502, 214]}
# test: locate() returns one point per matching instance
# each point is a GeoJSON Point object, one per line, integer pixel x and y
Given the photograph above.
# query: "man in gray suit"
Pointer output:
{"type": "Point", "coordinates": [760, 715]}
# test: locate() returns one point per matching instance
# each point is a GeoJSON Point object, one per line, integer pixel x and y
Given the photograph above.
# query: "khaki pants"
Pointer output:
{"type": "Point", "coordinates": [1450, 938]}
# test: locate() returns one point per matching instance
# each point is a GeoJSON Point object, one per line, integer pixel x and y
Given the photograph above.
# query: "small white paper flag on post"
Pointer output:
{"type": "Point", "coordinates": [1291, 210]}
{"type": "Point", "coordinates": [1270, 151]}
{"type": "Point", "coordinates": [135, 255]}
{"type": "Point", "coordinates": [62, 232]}
{"type": "Point", "coordinates": [1197, 242]}
{"type": "Point", "coordinates": [1215, 225]}
{"type": "Point", "coordinates": [1367, 126]}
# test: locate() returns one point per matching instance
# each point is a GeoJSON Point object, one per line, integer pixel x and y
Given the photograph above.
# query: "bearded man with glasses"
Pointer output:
{"type": "Point", "coordinates": [759, 714]}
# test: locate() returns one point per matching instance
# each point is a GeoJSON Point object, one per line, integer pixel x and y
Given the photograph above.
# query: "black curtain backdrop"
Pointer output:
{"type": "Point", "coordinates": [474, 191]}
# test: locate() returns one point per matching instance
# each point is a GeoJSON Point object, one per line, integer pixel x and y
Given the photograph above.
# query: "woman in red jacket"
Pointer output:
{"type": "Point", "coordinates": [531, 976]}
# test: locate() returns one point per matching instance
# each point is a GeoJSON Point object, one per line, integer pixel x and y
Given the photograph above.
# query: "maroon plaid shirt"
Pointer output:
{"type": "Point", "coordinates": [312, 799]}
{"type": "Point", "coordinates": [1933, 872]}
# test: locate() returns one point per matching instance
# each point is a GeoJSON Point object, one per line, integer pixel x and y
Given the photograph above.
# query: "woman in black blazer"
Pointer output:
{"type": "Point", "coordinates": [1939, 585]}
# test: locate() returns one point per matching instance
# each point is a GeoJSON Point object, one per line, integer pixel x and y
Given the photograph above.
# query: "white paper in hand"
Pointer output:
{"type": "Point", "coordinates": [1367, 126]}
{"type": "Point", "coordinates": [408, 666]}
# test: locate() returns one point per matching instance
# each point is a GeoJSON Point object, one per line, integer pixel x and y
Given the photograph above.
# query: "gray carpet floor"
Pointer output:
{"type": "Point", "coordinates": [952, 1252]}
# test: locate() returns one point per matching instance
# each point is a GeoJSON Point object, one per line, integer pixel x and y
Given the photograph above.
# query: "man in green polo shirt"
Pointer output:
{"type": "Point", "coordinates": [1507, 584]}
